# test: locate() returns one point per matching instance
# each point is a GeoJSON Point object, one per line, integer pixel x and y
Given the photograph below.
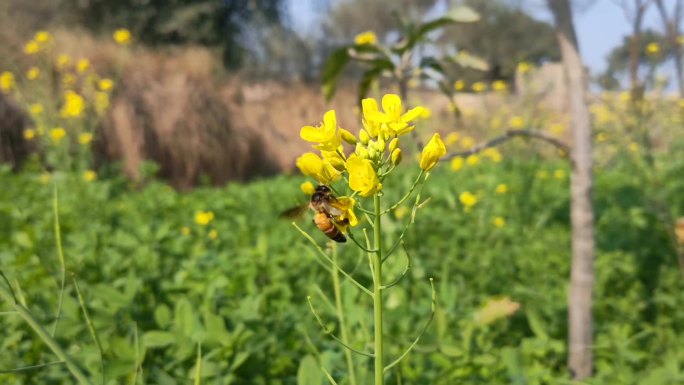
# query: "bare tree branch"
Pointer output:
{"type": "Point", "coordinates": [508, 135]}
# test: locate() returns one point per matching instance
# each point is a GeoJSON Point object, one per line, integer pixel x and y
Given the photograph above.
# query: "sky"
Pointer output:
{"type": "Point", "coordinates": [600, 25]}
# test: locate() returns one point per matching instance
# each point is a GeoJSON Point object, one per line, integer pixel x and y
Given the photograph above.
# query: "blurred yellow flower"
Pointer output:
{"type": "Point", "coordinates": [559, 174]}
{"type": "Point", "coordinates": [653, 48]}
{"type": "Point", "coordinates": [57, 134]}
{"type": "Point", "coordinates": [557, 128]}
{"type": "Point", "coordinates": [393, 117]}
{"type": "Point", "coordinates": [367, 37]}
{"type": "Point", "coordinates": [32, 73]}
{"type": "Point", "coordinates": [601, 137]}
{"type": "Point", "coordinates": [62, 61]}
{"type": "Point", "coordinates": [101, 102]}
{"type": "Point", "coordinates": [122, 36]}
{"type": "Point", "coordinates": [36, 109]}
{"type": "Point", "coordinates": [426, 114]}
{"type": "Point", "coordinates": [73, 105]}
{"type": "Point", "coordinates": [432, 152]}
{"type": "Point", "coordinates": [457, 163]}
{"type": "Point", "coordinates": [31, 47]}
{"type": "Point", "coordinates": [493, 154]}
{"type": "Point", "coordinates": [82, 65]}
{"type": "Point", "coordinates": [451, 138]}
{"type": "Point", "coordinates": [467, 142]}
{"type": "Point", "coordinates": [29, 134]}
{"type": "Point", "coordinates": [542, 174]}
{"type": "Point", "coordinates": [467, 199]}
{"type": "Point", "coordinates": [680, 40]}
{"type": "Point", "coordinates": [499, 222]}
{"type": "Point", "coordinates": [501, 188]}
{"type": "Point", "coordinates": [312, 165]}
{"type": "Point", "coordinates": [362, 176]}
{"type": "Point", "coordinates": [307, 188]}
{"type": "Point", "coordinates": [185, 230]}
{"type": "Point", "coordinates": [213, 234]}
{"type": "Point", "coordinates": [478, 87]}
{"type": "Point", "coordinates": [105, 84]}
{"type": "Point", "coordinates": [459, 85]}
{"type": "Point", "coordinates": [472, 160]}
{"type": "Point", "coordinates": [6, 81]}
{"type": "Point", "coordinates": [634, 147]}
{"type": "Point", "coordinates": [203, 218]}
{"type": "Point", "coordinates": [495, 123]}
{"type": "Point", "coordinates": [524, 67]}
{"type": "Point", "coordinates": [326, 134]}
{"type": "Point", "coordinates": [401, 212]}
{"type": "Point", "coordinates": [85, 138]}
{"type": "Point", "coordinates": [68, 80]}
{"type": "Point", "coordinates": [516, 122]}
{"type": "Point", "coordinates": [89, 175]}
{"type": "Point", "coordinates": [499, 85]}
{"type": "Point", "coordinates": [624, 96]}
{"type": "Point", "coordinates": [44, 178]}
{"type": "Point", "coordinates": [42, 37]}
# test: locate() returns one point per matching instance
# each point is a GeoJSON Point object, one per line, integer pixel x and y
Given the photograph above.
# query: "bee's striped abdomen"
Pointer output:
{"type": "Point", "coordinates": [326, 225]}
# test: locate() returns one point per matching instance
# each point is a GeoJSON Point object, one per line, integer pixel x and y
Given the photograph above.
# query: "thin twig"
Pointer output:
{"type": "Point", "coordinates": [508, 135]}
{"type": "Point", "coordinates": [329, 332]}
{"type": "Point", "coordinates": [32, 367]}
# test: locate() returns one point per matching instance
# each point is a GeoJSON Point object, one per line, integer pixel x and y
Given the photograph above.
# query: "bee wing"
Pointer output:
{"type": "Point", "coordinates": [332, 209]}
{"type": "Point", "coordinates": [294, 212]}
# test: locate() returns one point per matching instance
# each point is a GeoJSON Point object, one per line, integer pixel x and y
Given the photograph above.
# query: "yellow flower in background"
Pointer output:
{"type": "Point", "coordinates": [426, 114]}
{"type": "Point", "coordinates": [516, 122]}
{"type": "Point", "coordinates": [472, 160]}
{"type": "Point", "coordinates": [122, 36]}
{"type": "Point", "coordinates": [307, 188]}
{"type": "Point", "coordinates": [459, 85]}
{"type": "Point", "coordinates": [478, 87]}
{"type": "Point", "coordinates": [501, 188]}
{"type": "Point", "coordinates": [31, 47]}
{"type": "Point", "coordinates": [89, 175]}
{"type": "Point", "coordinates": [557, 128]}
{"type": "Point", "coordinates": [499, 85]}
{"type": "Point", "coordinates": [467, 142]}
{"type": "Point", "coordinates": [634, 147]}
{"type": "Point", "coordinates": [499, 222]}
{"type": "Point", "coordinates": [29, 134]}
{"type": "Point", "coordinates": [185, 230]}
{"type": "Point", "coordinates": [367, 37]}
{"type": "Point", "coordinates": [82, 65]}
{"type": "Point", "coordinates": [44, 178]}
{"type": "Point", "coordinates": [362, 176]}
{"type": "Point", "coordinates": [73, 105]}
{"type": "Point", "coordinates": [85, 138]}
{"type": "Point", "coordinates": [432, 152]}
{"type": "Point", "coordinates": [467, 199]}
{"type": "Point", "coordinates": [68, 80]}
{"type": "Point", "coordinates": [36, 109]}
{"type": "Point", "coordinates": [559, 174]}
{"type": "Point", "coordinates": [401, 212]}
{"type": "Point", "coordinates": [326, 134]}
{"type": "Point", "coordinates": [62, 61]}
{"type": "Point", "coordinates": [524, 67]}
{"type": "Point", "coordinates": [213, 234]}
{"type": "Point", "coordinates": [6, 81]}
{"type": "Point", "coordinates": [57, 134]}
{"type": "Point", "coordinates": [496, 309]}
{"type": "Point", "coordinates": [624, 96]}
{"type": "Point", "coordinates": [394, 116]}
{"type": "Point", "coordinates": [105, 84]}
{"type": "Point", "coordinates": [451, 138]}
{"type": "Point", "coordinates": [493, 154]}
{"type": "Point", "coordinates": [42, 37]}
{"type": "Point", "coordinates": [457, 163]}
{"type": "Point", "coordinates": [312, 165]}
{"type": "Point", "coordinates": [653, 48]}
{"type": "Point", "coordinates": [680, 40]}
{"type": "Point", "coordinates": [203, 218]}
{"type": "Point", "coordinates": [32, 73]}
{"type": "Point", "coordinates": [542, 174]}
{"type": "Point", "coordinates": [101, 102]}
{"type": "Point", "coordinates": [495, 123]}
{"type": "Point", "coordinates": [601, 137]}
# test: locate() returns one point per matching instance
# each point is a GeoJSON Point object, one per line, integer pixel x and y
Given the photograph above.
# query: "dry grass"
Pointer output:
{"type": "Point", "coordinates": [13, 148]}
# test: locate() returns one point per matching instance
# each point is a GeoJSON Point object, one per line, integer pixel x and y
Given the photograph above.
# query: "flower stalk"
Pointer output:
{"type": "Point", "coordinates": [377, 291]}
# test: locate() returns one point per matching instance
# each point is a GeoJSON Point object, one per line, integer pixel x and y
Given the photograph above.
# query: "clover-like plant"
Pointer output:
{"type": "Point", "coordinates": [358, 177]}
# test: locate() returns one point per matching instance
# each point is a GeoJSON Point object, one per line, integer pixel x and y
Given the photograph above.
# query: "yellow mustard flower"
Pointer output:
{"type": "Point", "coordinates": [467, 142]}
{"type": "Point", "coordinates": [213, 234]}
{"type": "Point", "coordinates": [478, 87]}
{"type": "Point", "coordinates": [101, 102]}
{"type": "Point", "coordinates": [326, 134]}
{"type": "Point", "coordinates": [105, 84]}
{"type": "Point", "coordinates": [44, 178]}
{"type": "Point", "coordinates": [493, 154]}
{"type": "Point", "coordinates": [57, 134]}
{"type": "Point", "coordinates": [467, 199]}
{"type": "Point", "coordinates": [89, 175]}
{"type": "Point", "coordinates": [85, 138]}
{"type": "Point", "coordinates": [185, 230]}
{"type": "Point", "coordinates": [370, 110]}
{"type": "Point", "coordinates": [73, 105]}
{"type": "Point", "coordinates": [6, 81]}
{"type": "Point", "coordinates": [396, 156]}
{"type": "Point", "coordinates": [499, 222]}
{"type": "Point", "coordinates": [634, 147]}
{"type": "Point", "coordinates": [29, 134]}
{"type": "Point", "coordinates": [394, 116]}
{"type": "Point", "coordinates": [557, 128]}
{"type": "Point", "coordinates": [362, 176]}
{"type": "Point", "coordinates": [33, 73]}
{"type": "Point", "coordinates": [524, 67]}
{"type": "Point", "coordinates": [653, 48]}
{"type": "Point", "coordinates": [368, 37]}
{"type": "Point", "coordinates": [36, 109]}
{"type": "Point", "coordinates": [472, 160]}
{"type": "Point", "coordinates": [516, 122]}
{"type": "Point", "coordinates": [307, 188]}
{"type": "Point", "coordinates": [82, 65]}
{"type": "Point", "coordinates": [432, 152]}
{"type": "Point", "coordinates": [63, 60]}
{"type": "Point", "coordinates": [346, 206]}
{"type": "Point", "coordinates": [203, 218]}
{"type": "Point", "coordinates": [457, 163]}
{"type": "Point", "coordinates": [499, 85]}
{"type": "Point", "coordinates": [31, 48]}
{"type": "Point", "coordinates": [312, 165]}
{"type": "Point", "coordinates": [501, 188]}
{"type": "Point", "coordinates": [459, 85]}
{"type": "Point", "coordinates": [122, 36]}
{"type": "Point", "coordinates": [601, 137]}
{"type": "Point", "coordinates": [426, 114]}
{"type": "Point", "coordinates": [451, 138]}
{"type": "Point", "coordinates": [401, 212]}
{"type": "Point", "coordinates": [42, 36]}
{"type": "Point", "coordinates": [559, 174]}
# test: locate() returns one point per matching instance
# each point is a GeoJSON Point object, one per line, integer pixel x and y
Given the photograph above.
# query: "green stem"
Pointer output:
{"type": "Point", "coordinates": [340, 315]}
{"type": "Point", "coordinates": [377, 293]}
{"type": "Point", "coordinates": [45, 336]}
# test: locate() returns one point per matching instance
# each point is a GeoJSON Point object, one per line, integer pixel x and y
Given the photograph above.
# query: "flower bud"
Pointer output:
{"type": "Point", "coordinates": [394, 143]}
{"type": "Point", "coordinates": [396, 156]}
{"type": "Point", "coordinates": [348, 136]}
{"type": "Point", "coordinates": [361, 151]}
{"type": "Point", "coordinates": [364, 137]}
{"type": "Point", "coordinates": [380, 145]}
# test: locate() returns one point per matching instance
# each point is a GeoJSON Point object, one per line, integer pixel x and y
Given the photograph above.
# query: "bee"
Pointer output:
{"type": "Point", "coordinates": [323, 203]}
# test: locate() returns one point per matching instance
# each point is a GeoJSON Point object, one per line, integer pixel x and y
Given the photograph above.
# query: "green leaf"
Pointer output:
{"type": "Point", "coordinates": [536, 324]}
{"type": "Point", "coordinates": [162, 314]}
{"type": "Point", "coordinates": [332, 69]}
{"type": "Point", "coordinates": [309, 373]}
{"type": "Point", "coordinates": [158, 338]}
{"type": "Point", "coordinates": [185, 318]}
{"type": "Point", "coordinates": [460, 14]}
{"type": "Point", "coordinates": [366, 82]}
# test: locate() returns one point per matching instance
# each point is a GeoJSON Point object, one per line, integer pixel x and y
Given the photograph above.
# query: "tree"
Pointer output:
{"type": "Point", "coordinates": [671, 22]}
{"type": "Point", "coordinates": [635, 15]}
{"type": "Point", "coordinates": [580, 322]}
{"type": "Point", "coordinates": [631, 59]}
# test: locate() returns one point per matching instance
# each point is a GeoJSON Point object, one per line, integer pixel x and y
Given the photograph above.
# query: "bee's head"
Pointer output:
{"type": "Point", "coordinates": [323, 189]}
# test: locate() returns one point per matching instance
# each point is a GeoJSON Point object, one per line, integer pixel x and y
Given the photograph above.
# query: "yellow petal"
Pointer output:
{"type": "Point", "coordinates": [432, 152]}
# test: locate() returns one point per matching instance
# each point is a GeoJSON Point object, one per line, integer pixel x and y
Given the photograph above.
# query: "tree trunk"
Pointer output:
{"type": "Point", "coordinates": [672, 28]}
{"type": "Point", "coordinates": [580, 328]}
